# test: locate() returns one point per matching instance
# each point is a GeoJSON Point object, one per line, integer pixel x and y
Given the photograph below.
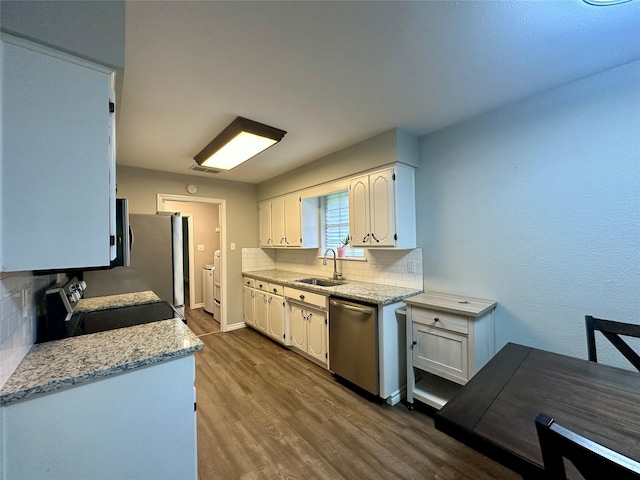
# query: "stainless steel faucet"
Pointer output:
{"type": "Point", "coordinates": [336, 275]}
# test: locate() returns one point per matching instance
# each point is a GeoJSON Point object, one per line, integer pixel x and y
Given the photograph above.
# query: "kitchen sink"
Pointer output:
{"type": "Point", "coordinates": [322, 282]}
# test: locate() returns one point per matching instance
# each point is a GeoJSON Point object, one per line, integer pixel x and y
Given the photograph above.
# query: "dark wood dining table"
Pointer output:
{"type": "Point", "coordinates": [495, 411]}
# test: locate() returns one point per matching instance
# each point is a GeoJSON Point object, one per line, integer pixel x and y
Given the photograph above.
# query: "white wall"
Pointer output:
{"type": "Point", "coordinates": [141, 187]}
{"type": "Point", "coordinates": [537, 206]}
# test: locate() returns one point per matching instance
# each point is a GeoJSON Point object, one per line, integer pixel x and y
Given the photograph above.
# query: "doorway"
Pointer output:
{"type": "Point", "coordinates": [199, 248]}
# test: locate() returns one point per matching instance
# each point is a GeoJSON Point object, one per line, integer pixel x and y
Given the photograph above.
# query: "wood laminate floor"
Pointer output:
{"type": "Point", "coordinates": [265, 412]}
{"type": "Point", "coordinates": [201, 322]}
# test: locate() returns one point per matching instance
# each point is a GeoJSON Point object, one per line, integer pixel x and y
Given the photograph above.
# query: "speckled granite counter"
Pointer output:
{"type": "Point", "coordinates": [115, 301]}
{"type": "Point", "coordinates": [64, 363]}
{"type": "Point", "coordinates": [362, 291]}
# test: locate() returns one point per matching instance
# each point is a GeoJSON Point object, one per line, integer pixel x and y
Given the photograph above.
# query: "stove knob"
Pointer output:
{"type": "Point", "coordinates": [83, 285]}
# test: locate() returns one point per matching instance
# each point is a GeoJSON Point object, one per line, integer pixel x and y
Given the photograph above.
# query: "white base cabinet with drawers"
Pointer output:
{"type": "Point", "coordinates": [307, 319]}
{"type": "Point", "coordinates": [264, 309]}
{"type": "Point", "coordinates": [449, 338]}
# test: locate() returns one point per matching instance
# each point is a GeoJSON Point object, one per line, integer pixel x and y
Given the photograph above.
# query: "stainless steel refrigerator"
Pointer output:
{"type": "Point", "coordinates": [156, 262]}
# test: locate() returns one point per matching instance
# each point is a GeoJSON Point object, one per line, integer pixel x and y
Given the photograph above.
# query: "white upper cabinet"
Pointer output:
{"type": "Point", "coordinates": [382, 208]}
{"type": "Point", "coordinates": [289, 221]}
{"type": "Point", "coordinates": [57, 191]}
{"type": "Point", "coordinates": [264, 219]}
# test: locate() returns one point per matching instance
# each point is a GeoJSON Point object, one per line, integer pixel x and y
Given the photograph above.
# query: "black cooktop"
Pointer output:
{"type": "Point", "coordinates": [84, 323]}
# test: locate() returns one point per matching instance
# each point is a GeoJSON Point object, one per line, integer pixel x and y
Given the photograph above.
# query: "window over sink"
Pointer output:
{"type": "Point", "coordinates": [335, 214]}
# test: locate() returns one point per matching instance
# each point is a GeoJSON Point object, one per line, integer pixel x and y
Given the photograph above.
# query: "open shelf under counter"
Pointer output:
{"type": "Point", "coordinates": [433, 390]}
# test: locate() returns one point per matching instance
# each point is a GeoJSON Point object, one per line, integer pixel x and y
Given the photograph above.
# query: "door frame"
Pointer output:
{"type": "Point", "coordinates": [222, 205]}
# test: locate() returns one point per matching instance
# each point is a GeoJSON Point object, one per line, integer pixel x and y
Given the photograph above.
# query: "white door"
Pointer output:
{"type": "Point", "coordinates": [359, 211]}
{"type": "Point", "coordinates": [276, 318]}
{"type": "Point", "coordinates": [293, 220]}
{"type": "Point", "coordinates": [261, 310]}
{"type": "Point", "coordinates": [382, 208]}
{"type": "Point", "coordinates": [278, 233]}
{"type": "Point", "coordinates": [249, 297]}
{"type": "Point", "coordinates": [317, 335]}
{"type": "Point", "coordinates": [264, 212]}
{"type": "Point", "coordinates": [298, 328]}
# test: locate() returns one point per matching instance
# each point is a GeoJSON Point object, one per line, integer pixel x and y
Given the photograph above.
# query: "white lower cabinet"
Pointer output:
{"type": "Point", "coordinates": [308, 327]}
{"type": "Point", "coordinates": [138, 424]}
{"type": "Point", "coordinates": [449, 338]}
{"type": "Point", "coordinates": [264, 309]}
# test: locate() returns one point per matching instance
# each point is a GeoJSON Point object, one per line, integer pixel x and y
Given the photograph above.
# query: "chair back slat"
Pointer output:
{"type": "Point", "coordinates": [612, 331]}
{"type": "Point", "coordinates": [592, 460]}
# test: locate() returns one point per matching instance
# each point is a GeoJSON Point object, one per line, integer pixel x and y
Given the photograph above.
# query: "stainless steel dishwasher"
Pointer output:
{"type": "Point", "coordinates": [353, 343]}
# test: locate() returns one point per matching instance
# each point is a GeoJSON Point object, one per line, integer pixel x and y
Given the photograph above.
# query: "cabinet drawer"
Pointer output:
{"type": "Point", "coordinates": [261, 285]}
{"type": "Point", "coordinates": [433, 318]}
{"type": "Point", "coordinates": [303, 296]}
{"type": "Point", "coordinates": [276, 289]}
{"type": "Point", "coordinates": [249, 282]}
{"type": "Point", "coordinates": [441, 352]}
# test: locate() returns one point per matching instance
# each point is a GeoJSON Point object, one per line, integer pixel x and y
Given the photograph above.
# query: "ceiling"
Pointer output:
{"type": "Point", "coordinates": [334, 73]}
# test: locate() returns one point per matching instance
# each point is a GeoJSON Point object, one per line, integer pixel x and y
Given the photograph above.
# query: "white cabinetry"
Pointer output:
{"type": "Point", "coordinates": [249, 296]}
{"type": "Point", "coordinates": [264, 309]}
{"type": "Point", "coordinates": [309, 332]}
{"type": "Point", "coordinates": [289, 221]}
{"type": "Point", "coordinates": [139, 424]}
{"type": "Point", "coordinates": [449, 338]}
{"type": "Point", "coordinates": [382, 208]}
{"type": "Point", "coordinates": [58, 160]}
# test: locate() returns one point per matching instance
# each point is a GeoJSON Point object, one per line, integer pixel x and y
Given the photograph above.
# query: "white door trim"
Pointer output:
{"type": "Point", "coordinates": [222, 204]}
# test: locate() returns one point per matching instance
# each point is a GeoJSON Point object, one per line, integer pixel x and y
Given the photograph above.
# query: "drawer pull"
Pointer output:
{"type": "Point", "coordinates": [436, 319]}
{"type": "Point", "coordinates": [275, 290]}
{"type": "Point", "coordinates": [259, 285]}
{"type": "Point", "coordinates": [301, 297]}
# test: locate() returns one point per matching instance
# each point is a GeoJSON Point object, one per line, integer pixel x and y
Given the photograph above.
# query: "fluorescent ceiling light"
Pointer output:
{"type": "Point", "coordinates": [240, 141]}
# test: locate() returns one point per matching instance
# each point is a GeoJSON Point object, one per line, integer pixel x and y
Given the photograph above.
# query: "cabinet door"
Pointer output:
{"type": "Point", "coordinates": [298, 327]}
{"type": "Point", "coordinates": [276, 318]}
{"type": "Point", "coordinates": [264, 212]}
{"type": "Point", "coordinates": [248, 300]}
{"type": "Point", "coordinates": [317, 335]}
{"type": "Point", "coordinates": [293, 220]}
{"type": "Point", "coordinates": [441, 352]}
{"type": "Point", "coordinates": [56, 135]}
{"type": "Point", "coordinates": [382, 209]}
{"type": "Point", "coordinates": [261, 311]}
{"type": "Point", "coordinates": [359, 211]}
{"type": "Point", "coordinates": [278, 234]}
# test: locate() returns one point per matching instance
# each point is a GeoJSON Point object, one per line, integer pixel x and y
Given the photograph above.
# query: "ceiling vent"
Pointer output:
{"type": "Point", "coordinates": [198, 168]}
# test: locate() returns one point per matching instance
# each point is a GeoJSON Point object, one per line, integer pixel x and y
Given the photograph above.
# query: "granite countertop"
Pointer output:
{"type": "Point", "coordinates": [460, 304]}
{"type": "Point", "coordinates": [64, 363]}
{"type": "Point", "coordinates": [362, 291]}
{"type": "Point", "coordinates": [115, 301]}
{"type": "Point", "coordinates": [71, 361]}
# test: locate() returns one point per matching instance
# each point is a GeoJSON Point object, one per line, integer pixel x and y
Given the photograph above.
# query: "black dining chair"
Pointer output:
{"type": "Point", "coordinates": [591, 459]}
{"type": "Point", "coordinates": [612, 331]}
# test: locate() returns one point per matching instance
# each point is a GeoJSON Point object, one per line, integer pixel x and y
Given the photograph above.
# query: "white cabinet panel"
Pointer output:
{"type": "Point", "coordinates": [276, 318]}
{"type": "Point", "coordinates": [382, 209]}
{"type": "Point", "coordinates": [289, 221]}
{"type": "Point", "coordinates": [249, 302]}
{"type": "Point", "coordinates": [58, 171]}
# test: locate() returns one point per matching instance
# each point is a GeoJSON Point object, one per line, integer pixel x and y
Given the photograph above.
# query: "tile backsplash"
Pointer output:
{"type": "Point", "coordinates": [401, 268]}
{"type": "Point", "coordinates": [20, 293]}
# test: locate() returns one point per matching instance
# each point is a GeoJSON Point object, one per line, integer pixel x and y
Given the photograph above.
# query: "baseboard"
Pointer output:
{"type": "Point", "coordinates": [235, 326]}
{"type": "Point", "coordinates": [197, 305]}
{"type": "Point", "coordinates": [396, 396]}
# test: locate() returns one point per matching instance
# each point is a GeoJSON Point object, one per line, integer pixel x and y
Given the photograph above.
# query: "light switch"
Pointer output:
{"type": "Point", "coordinates": [233, 246]}
{"type": "Point", "coordinates": [201, 247]}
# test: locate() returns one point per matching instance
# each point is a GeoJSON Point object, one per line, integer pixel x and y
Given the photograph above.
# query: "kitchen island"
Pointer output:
{"type": "Point", "coordinates": [113, 404]}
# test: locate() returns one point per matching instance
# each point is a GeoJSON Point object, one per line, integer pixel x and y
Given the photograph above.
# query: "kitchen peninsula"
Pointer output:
{"type": "Point", "coordinates": [113, 404]}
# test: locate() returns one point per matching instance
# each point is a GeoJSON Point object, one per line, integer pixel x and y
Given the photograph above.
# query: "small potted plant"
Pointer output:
{"type": "Point", "coordinates": [342, 249]}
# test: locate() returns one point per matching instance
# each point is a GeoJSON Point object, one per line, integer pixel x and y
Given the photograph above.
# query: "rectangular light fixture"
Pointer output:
{"type": "Point", "coordinates": [240, 141]}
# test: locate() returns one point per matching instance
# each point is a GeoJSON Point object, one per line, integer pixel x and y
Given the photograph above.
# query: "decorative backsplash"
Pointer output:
{"type": "Point", "coordinates": [383, 267]}
{"type": "Point", "coordinates": [19, 293]}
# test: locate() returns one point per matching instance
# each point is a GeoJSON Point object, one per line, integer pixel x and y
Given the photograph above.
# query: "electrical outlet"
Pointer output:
{"type": "Point", "coordinates": [201, 247]}
{"type": "Point", "coordinates": [411, 266]}
{"type": "Point", "coordinates": [373, 263]}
